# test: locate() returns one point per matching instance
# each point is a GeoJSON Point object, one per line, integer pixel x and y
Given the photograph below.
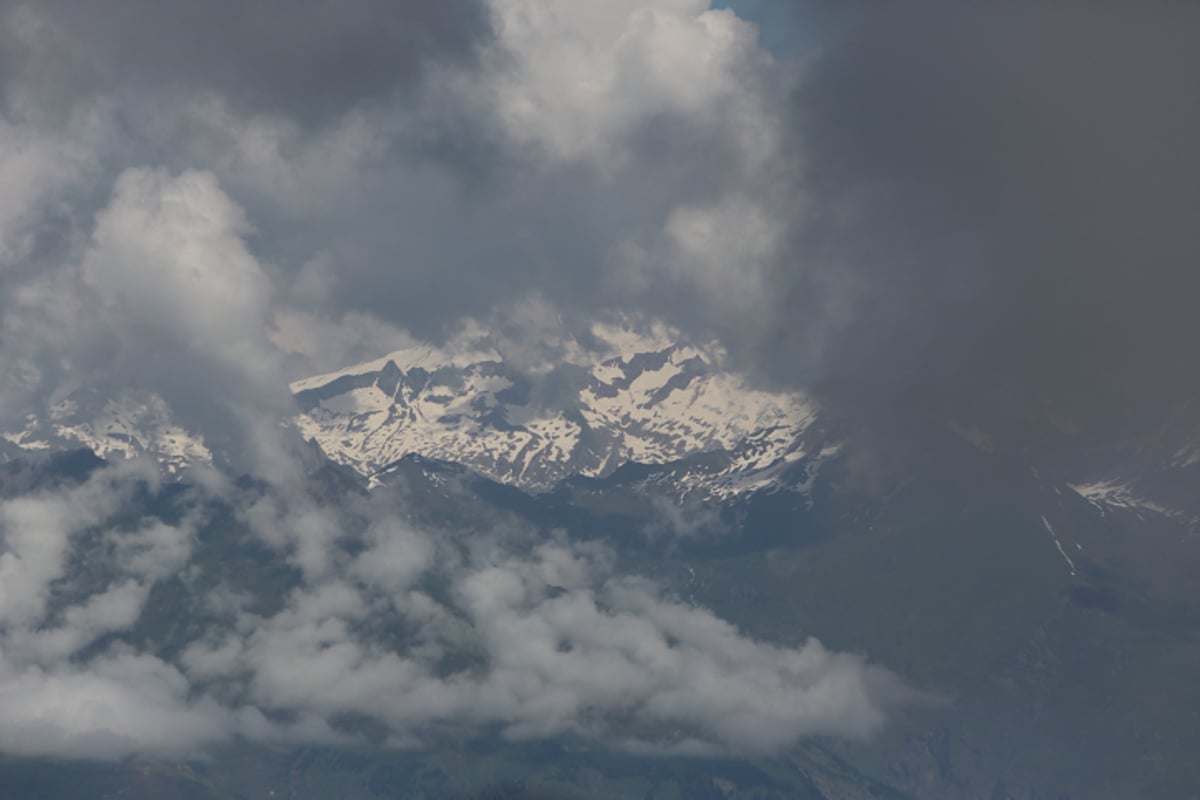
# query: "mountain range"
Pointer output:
{"type": "Point", "coordinates": [642, 399]}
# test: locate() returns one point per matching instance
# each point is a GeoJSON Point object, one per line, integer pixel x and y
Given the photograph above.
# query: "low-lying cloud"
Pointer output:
{"type": "Point", "coordinates": [425, 634]}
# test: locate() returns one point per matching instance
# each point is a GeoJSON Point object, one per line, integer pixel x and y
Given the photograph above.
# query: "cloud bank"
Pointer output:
{"type": "Point", "coordinates": [426, 634]}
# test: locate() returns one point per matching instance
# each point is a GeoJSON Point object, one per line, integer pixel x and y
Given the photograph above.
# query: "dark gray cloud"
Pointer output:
{"type": "Point", "coordinates": [1002, 216]}
{"type": "Point", "coordinates": [308, 60]}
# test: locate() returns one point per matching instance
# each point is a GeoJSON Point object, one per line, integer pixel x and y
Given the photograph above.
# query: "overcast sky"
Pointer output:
{"type": "Point", "coordinates": [984, 213]}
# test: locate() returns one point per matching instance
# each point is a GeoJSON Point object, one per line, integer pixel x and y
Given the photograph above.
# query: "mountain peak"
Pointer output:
{"type": "Point", "coordinates": [643, 399]}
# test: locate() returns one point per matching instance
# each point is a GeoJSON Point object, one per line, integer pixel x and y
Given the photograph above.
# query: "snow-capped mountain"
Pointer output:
{"type": "Point", "coordinates": [645, 399]}
{"type": "Point", "coordinates": [121, 427]}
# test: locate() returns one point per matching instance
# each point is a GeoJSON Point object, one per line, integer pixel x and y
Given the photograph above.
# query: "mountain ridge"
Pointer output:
{"type": "Point", "coordinates": [650, 403]}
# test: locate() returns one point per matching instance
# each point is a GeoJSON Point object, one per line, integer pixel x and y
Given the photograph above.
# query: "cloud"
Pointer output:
{"type": "Point", "coordinates": [1001, 205]}
{"type": "Point", "coordinates": [38, 168]}
{"type": "Point", "coordinates": [317, 344]}
{"type": "Point", "coordinates": [396, 555]}
{"type": "Point", "coordinates": [724, 251]}
{"type": "Point", "coordinates": [36, 532]}
{"type": "Point", "coordinates": [575, 651]}
{"type": "Point", "coordinates": [71, 684]}
{"type": "Point", "coordinates": [126, 704]}
{"type": "Point", "coordinates": [686, 518]}
{"type": "Point", "coordinates": [116, 707]}
{"type": "Point", "coordinates": [556, 645]}
{"type": "Point", "coordinates": [579, 79]}
{"type": "Point", "coordinates": [167, 253]}
{"type": "Point", "coordinates": [165, 303]}
{"type": "Point", "coordinates": [302, 60]}
{"type": "Point", "coordinates": [154, 550]}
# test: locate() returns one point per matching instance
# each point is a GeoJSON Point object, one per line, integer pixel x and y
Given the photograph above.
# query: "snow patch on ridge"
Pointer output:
{"type": "Point", "coordinates": [1117, 494]}
{"type": "Point", "coordinates": [1058, 544]}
